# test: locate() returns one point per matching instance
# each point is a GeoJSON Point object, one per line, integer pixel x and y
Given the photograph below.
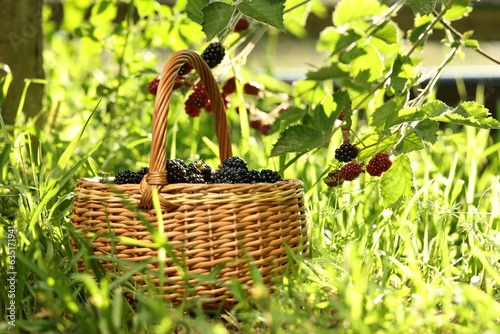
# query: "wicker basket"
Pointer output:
{"type": "Point", "coordinates": [226, 228]}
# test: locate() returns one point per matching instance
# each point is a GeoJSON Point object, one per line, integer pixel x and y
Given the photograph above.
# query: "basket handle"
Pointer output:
{"type": "Point", "coordinates": [157, 176]}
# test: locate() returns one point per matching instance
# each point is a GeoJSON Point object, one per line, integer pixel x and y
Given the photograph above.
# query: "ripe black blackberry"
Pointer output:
{"type": "Point", "coordinates": [213, 54]}
{"type": "Point", "coordinates": [194, 174]}
{"type": "Point", "coordinates": [269, 176]}
{"type": "Point", "coordinates": [235, 162]}
{"type": "Point", "coordinates": [346, 152]}
{"type": "Point", "coordinates": [143, 171]}
{"type": "Point", "coordinates": [378, 164]}
{"type": "Point", "coordinates": [350, 171]}
{"type": "Point", "coordinates": [176, 171]}
{"type": "Point", "coordinates": [185, 69]}
{"type": "Point", "coordinates": [205, 170]}
{"type": "Point", "coordinates": [333, 179]}
{"type": "Point", "coordinates": [253, 176]}
{"type": "Point", "coordinates": [127, 177]}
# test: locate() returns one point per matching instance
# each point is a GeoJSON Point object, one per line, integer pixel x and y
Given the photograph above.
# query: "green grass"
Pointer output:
{"type": "Point", "coordinates": [427, 265]}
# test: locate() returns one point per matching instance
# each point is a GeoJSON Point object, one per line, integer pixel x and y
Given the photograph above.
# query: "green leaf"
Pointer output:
{"type": "Point", "coordinates": [216, 17]}
{"type": "Point", "coordinates": [422, 7]}
{"type": "Point", "coordinates": [403, 74]}
{"type": "Point", "coordinates": [310, 91]}
{"type": "Point", "coordinates": [319, 120]}
{"type": "Point", "coordinates": [266, 11]}
{"type": "Point", "coordinates": [343, 104]}
{"type": "Point", "coordinates": [387, 114]}
{"type": "Point", "coordinates": [373, 143]}
{"type": "Point", "coordinates": [469, 113]}
{"type": "Point", "coordinates": [458, 10]}
{"type": "Point", "coordinates": [327, 73]}
{"type": "Point", "coordinates": [427, 130]}
{"type": "Point", "coordinates": [410, 143]}
{"type": "Point", "coordinates": [435, 108]}
{"type": "Point", "coordinates": [297, 138]}
{"type": "Point", "coordinates": [387, 32]}
{"type": "Point", "coordinates": [145, 7]}
{"type": "Point", "coordinates": [350, 10]}
{"type": "Point", "coordinates": [193, 9]}
{"type": "Point", "coordinates": [397, 183]}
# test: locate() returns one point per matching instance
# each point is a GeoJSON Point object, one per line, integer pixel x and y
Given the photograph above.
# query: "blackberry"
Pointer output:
{"type": "Point", "coordinates": [333, 179]}
{"type": "Point", "coordinates": [269, 176]}
{"type": "Point", "coordinates": [191, 109]}
{"type": "Point", "coordinates": [346, 152]}
{"type": "Point", "coordinates": [241, 25]}
{"type": "Point", "coordinates": [253, 176]}
{"type": "Point", "coordinates": [127, 177]}
{"type": "Point", "coordinates": [235, 162]}
{"type": "Point", "coordinates": [213, 54]}
{"type": "Point", "coordinates": [378, 164]}
{"type": "Point", "coordinates": [205, 170]}
{"type": "Point", "coordinates": [177, 171]}
{"type": "Point", "coordinates": [229, 86]}
{"type": "Point", "coordinates": [252, 88]}
{"type": "Point", "coordinates": [350, 171]}
{"type": "Point", "coordinates": [143, 171]}
{"type": "Point", "coordinates": [185, 69]}
{"type": "Point", "coordinates": [194, 174]}
{"type": "Point", "coordinates": [199, 96]}
{"type": "Point", "coordinates": [153, 85]}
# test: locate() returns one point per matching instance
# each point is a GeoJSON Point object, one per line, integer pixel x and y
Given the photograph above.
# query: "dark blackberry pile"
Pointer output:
{"type": "Point", "coordinates": [234, 170]}
{"type": "Point", "coordinates": [129, 177]}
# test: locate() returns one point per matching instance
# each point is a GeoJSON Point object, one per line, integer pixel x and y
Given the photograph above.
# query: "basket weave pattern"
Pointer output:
{"type": "Point", "coordinates": [206, 225]}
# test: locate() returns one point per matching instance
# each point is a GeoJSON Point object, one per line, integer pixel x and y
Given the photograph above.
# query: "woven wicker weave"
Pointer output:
{"type": "Point", "coordinates": [206, 226]}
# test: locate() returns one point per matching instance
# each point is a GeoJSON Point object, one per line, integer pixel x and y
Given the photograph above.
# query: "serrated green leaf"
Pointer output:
{"type": "Point", "coordinates": [310, 91]}
{"type": "Point", "coordinates": [193, 9]}
{"type": "Point", "coordinates": [343, 104]}
{"type": "Point", "coordinates": [458, 10]}
{"type": "Point", "coordinates": [435, 108]}
{"type": "Point", "coordinates": [410, 143]}
{"type": "Point", "coordinates": [327, 73]}
{"type": "Point", "coordinates": [373, 143]}
{"type": "Point", "coordinates": [350, 10]}
{"type": "Point", "coordinates": [422, 7]}
{"type": "Point", "coordinates": [397, 183]}
{"type": "Point", "coordinates": [469, 113]}
{"type": "Point", "coordinates": [387, 114]}
{"type": "Point", "coordinates": [427, 130]}
{"type": "Point", "coordinates": [388, 32]}
{"type": "Point", "coordinates": [370, 61]}
{"type": "Point", "coordinates": [216, 17]}
{"type": "Point", "coordinates": [403, 74]}
{"type": "Point", "coordinates": [297, 138]}
{"type": "Point", "coordinates": [266, 11]}
{"type": "Point", "coordinates": [318, 119]}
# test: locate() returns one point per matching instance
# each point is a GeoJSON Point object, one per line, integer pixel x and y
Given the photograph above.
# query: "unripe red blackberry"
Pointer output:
{"type": "Point", "coordinates": [153, 85]}
{"type": "Point", "coordinates": [252, 88]}
{"type": "Point", "coordinates": [350, 171]}
{"type": "Point", "coordinates": [241, 25]}
{"type": "Point", "coordinates": [229, 86]}
{"type": "Point", "coordinates": [333, 179]}
{"type": "Point", "coordinates": [213, 54]}
{"type": "Point", "coordinates": [191, 109]}
{"type": "Point", "coordinates": [199, 96]}
{"type": "Point", "coordinates": [378, 164]}
{"type": "Point", "coordinates": [346, 152]}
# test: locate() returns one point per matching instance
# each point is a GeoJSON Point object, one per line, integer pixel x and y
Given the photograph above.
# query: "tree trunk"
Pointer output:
{"type": "Point", "coordinates": [21, 38]}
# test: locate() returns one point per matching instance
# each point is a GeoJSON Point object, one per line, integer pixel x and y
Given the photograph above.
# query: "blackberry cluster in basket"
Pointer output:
{"type": "Point", "coordinates": [233, 170]}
